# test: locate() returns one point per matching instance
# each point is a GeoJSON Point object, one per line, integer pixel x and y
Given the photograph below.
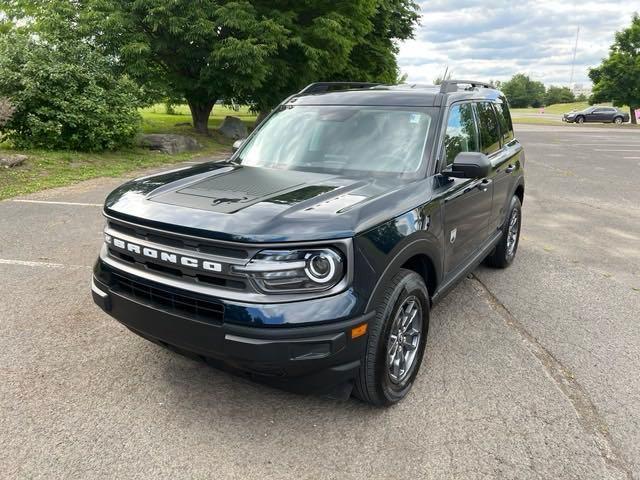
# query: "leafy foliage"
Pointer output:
{"type": "Point", "coordinates": [65, 95]}
{"type": "Point", "coordinates": [617, 79]}
{"type": "Point", "coordinates": [6, 111]}
{"type": "Point", "coordinates": [559, 95]}
{"type": "Point", "coordinates": [523, 92]}
{"type": "Point", "coordinates": [251, 51]}
{"type": "Point", "coordinates": [373, 58]}
{"type": "Point", "coordinates": [201, 51]}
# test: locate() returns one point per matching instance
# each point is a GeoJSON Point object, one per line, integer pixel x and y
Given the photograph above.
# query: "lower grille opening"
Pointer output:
{"type": "Point", "coordinates": [204, 310]}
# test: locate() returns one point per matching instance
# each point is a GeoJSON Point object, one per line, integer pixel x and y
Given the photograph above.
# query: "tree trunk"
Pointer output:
{"type": "Point", "coordinates": [261, 116]}
{"type": "Point", "coordinates": [200, 111]}
{"type": "Point", "coordinates": [632, 112]}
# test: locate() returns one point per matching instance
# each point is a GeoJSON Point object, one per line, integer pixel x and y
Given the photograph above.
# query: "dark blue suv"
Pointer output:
{"type": "Point", "coordinates": [311, 257]}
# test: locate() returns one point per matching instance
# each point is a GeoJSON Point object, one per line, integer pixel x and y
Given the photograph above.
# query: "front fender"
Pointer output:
{"type": "Point", "coordinates": [387, 247]}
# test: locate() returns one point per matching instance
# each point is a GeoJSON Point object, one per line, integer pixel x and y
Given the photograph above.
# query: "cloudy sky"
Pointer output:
{"type": "Point", "coordinates": [494, 39]}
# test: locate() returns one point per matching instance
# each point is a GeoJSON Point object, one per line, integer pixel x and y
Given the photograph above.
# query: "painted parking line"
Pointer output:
{"type": "Point", "coordinates": [631, 158]}
{"type": "Point", "coordinates": [26, 263]}
{"type": "Point", "coordinates": [48, 202]}
{"type": "Point", "coordinates": [612, 150]}
{"type": "Point", "coordinates": [604, 144]}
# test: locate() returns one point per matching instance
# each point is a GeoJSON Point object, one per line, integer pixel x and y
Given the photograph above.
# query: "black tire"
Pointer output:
{"type": "Point", "coordinates": [618, 120]}
{"type": "Point", "coordinates": [580, 119]}
{"type": "Point", "coordinates": [374, 383]}
{"type": "Point", "coordinates": [504, 254]}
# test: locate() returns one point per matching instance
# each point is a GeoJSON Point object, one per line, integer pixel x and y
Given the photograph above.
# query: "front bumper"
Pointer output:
{"type": "Point", "coordinates": [313, 357]}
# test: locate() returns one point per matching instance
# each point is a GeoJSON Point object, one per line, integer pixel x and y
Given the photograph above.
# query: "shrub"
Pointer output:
{"type": "Point", "coordinates": [6, 114]}
{"type": "Point", "coordinates": [6, 111]}
{"type": "Point", "coordinates": [66, 96]}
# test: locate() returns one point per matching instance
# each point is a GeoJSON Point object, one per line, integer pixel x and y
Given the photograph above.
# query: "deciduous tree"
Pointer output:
{"type": "Point", "coordinates": [522, 92]}
{"type": "Point", "coordinates": [255, 51]}
{"type": "Point", "coordinates": [559, 95]}
{"type": "Point", "coordinates": [617, 79]}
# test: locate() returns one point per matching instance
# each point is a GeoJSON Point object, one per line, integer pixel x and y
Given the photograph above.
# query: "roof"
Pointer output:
{"type": "Point", "coordinates": [413, 95]}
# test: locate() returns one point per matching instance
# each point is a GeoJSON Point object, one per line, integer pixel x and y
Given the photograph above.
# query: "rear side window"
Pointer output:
{"type": "Point", "coordinates": [461, 134]}
{"type": "Point", "coordinates": [488, 127]}
{"type": "Point", "coordinates": [504, 119]}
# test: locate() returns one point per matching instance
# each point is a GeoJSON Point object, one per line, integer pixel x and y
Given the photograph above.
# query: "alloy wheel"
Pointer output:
{"type": "Point", "coordinates": [512, 233]}
{"type": "Point", "coordinates": [404, 340]}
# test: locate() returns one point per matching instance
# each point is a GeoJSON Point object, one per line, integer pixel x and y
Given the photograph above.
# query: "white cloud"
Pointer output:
{"type": "Point", "coordinates": [484, 41]}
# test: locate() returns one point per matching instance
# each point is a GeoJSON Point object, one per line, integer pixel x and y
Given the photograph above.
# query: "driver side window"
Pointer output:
{"type": "Point", "coordinates": [461, 134]}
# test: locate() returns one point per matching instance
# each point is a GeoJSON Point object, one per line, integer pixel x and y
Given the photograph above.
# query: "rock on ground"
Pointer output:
{"type": "Point", "coordinates": [10, 161]}
{"type": "Point", "coordinates": [234, 128]}
{"type": "Point", "coordinates": [169, 143]}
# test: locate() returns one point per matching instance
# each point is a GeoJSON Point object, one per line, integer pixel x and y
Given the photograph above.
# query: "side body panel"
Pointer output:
{"type": "Point", "coordinates": [507, 168]}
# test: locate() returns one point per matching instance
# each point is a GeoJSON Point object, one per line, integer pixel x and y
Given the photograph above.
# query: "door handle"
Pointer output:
{"type": "Point", "coordinates": [510, 169]}
{"type": "Point", "coordinates": [483, 186]}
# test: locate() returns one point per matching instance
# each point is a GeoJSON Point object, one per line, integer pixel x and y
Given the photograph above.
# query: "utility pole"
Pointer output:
{"type": "Point", "coordinates": [573, 60]}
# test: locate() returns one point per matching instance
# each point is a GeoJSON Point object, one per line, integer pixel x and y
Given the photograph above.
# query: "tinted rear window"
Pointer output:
{"type": "Point", "coordinates": [488, 127]}
{"type": "Point", "coordinates": [504, 118]}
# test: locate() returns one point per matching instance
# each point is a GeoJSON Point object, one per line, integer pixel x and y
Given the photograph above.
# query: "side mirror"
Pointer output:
{"type": "Point", "coordinates": [237, 144]}
{"type": "Point", "coordinates": [469, 165]}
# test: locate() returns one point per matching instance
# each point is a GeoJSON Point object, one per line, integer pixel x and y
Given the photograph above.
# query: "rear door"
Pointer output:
{"type": "Point", "coordinates": [608, 114]}
{"type": "Point", "coordinates": [505, 161]}
{"type": "Point", "coordinates": [467, 202]}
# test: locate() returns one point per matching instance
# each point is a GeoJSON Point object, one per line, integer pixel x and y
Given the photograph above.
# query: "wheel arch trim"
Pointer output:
{"type": "Point", "coordinates": [418, 246]}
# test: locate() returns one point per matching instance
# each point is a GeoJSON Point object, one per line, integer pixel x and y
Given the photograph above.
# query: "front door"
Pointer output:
{"type": "Point", "coordinates": [592, 116]}
{"type": "Point", "coordinates": [467, 208]}
{"type": "Point", "coordinates": [466, 202]}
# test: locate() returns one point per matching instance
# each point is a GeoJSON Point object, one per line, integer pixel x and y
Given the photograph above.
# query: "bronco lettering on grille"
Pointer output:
{"type": "Point", "coordinates": [161, 255]}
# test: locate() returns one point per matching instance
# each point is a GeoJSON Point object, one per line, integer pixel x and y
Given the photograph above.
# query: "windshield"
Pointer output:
{"type": "Point", "coordinates": [341, 139]}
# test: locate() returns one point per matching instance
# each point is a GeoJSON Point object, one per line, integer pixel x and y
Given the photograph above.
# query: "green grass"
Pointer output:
{"type": "Point", "coordinates": [558, 108]}
{"type": "Point", "coordinates": [533, 115]}
{"type": "Point", "coordinates": [536, 121]}
{"type": "Point", "coordinates": [48, 169]}
{"type": "Point", "coordinates": [156, 120]}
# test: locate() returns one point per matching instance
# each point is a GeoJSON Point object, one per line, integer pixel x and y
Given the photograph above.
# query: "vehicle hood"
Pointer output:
{"type": "Point", "coordinates": [250, 204]}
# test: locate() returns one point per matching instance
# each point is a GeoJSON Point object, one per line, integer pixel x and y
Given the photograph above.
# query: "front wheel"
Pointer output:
{"type": "Point", "coordinates": [580, 120]}
{"type": "Point", "coordinates": [396, 342]}
{"type": "Point", "coordinates": [507, 247]}
{"type": "Point", "coordinates": [617, 120]}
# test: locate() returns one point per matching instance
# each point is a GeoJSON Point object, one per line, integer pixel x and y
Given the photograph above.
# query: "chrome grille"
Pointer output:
{"type": "Point", "coordinates": [219, 253]}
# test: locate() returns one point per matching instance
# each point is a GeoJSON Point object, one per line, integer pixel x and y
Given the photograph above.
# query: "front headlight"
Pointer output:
{"type": "Point", "coordinates": [303, 270]}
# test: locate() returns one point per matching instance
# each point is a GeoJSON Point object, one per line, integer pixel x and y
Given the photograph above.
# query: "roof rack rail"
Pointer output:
{"type": "Point", "coordinates": [448, 86]}
{"type": "Point", "coordinates": [321, 87]}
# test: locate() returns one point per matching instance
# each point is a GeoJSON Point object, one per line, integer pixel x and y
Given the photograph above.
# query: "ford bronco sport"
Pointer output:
{"type": "Point", "coordinates": [313, 255]}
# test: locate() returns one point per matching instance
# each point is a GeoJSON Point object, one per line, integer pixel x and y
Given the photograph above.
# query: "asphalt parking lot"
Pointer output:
{"type": "Point", "coordinates": [532, 372]}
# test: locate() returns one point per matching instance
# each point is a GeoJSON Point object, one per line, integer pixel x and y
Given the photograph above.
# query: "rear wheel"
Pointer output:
{"type": "Point", "coordinates": [580, 119]}
{"type": "Point", "coordinates": [617, 120]}
{"type": "Point", "coordinates": [396, 341]}
{"type": "Point", "coordinates": [507, 247]}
